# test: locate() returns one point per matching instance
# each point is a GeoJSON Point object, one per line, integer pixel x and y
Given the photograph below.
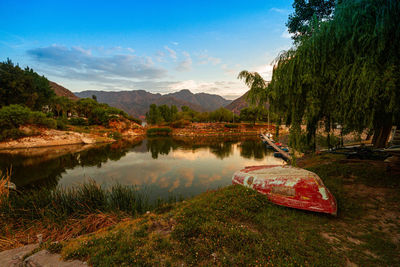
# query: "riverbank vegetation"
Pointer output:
{"type": "Point", "coordinates": [27, 98]}
{"type": "Point", "coordinates": [170, 115]}
{"type": "Point", "coordinates": [59, 213]}
{"type": "Point", "coordinates": [228, 226]}
{"type": "Point", "coordinates": [343, 72]}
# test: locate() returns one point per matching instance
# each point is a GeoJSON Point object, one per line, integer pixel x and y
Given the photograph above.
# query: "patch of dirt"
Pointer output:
{"type": "Point", "coordinates": [330, 237]}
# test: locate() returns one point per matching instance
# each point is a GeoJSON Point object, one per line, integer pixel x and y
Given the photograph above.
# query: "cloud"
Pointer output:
{"type": "Point", "coordinates": [171, 52]}
{"type": "Point", "coordinates": [186, 64]}
{"type": "Point", "coordinates": [175, 43]}
{"type": "Point", "coordinates": [204, 58]}
{"type": "Point", "coordinates": [83, 64]}
{"type": "Point", "coordinates": [285, 34]}
{"type": "Point", "coordinates": [280, 10]}
{"type": "Point", "coordinates": [227, 89]}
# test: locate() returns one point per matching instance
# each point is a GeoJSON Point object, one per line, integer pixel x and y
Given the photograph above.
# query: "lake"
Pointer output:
{"type": "Point", "coordinates": [161, 166]}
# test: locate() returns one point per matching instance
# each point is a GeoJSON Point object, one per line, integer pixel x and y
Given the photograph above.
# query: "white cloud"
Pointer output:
{"type": "Point", "coordinates": [264, 70]}
{"type": "Point", "coordinates": [171, 52]}
{"type": "Point", "coordinates": [78, 63]}
{"type": "Point", "coordinates": [204, 58]}
{"type": "Point", "coordinates": [227, 89]}
{"type": "Point", "coordinates": [285, 34]}
{"type": "Point", "coordinates": [175, 43]}
{"type": "Point", "coordinates": [186, 64]}
{"type": "Point", "coordinates": [280, 10]}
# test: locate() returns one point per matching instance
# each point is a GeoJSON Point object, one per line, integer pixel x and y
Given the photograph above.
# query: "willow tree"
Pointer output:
{"type": "Point", "coordinates": [347, 72]}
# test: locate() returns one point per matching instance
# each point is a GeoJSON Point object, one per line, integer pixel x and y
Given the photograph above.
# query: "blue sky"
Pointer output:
{"type": "Point", "coordinates": [157, 46]}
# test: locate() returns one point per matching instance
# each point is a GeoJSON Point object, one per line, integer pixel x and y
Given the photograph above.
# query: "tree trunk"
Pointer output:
{"type": "Point", "coordinates": [382, 134]}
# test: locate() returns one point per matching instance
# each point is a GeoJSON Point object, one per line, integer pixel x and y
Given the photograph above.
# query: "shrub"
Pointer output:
{"type": "Point", "coordinates": [13, 133]}
{"type": "Point", "coordinates": [115, 135]}
{"type": "Point", "coordinates": [134, 120]}
{"type": "Point", "coordinates": [13, 116]}
{"type": "Point", "coordinates": [99, 116]}
{"type": "Point", "coordinates": [158, 131]}
{"type": "Point", "coordinates": [39, 118]}
{"type": "Point", "coordinates": [61, 123]}
{"type": "Point", "coordinates": [78, 121]}
{"type": "Point", "coordinates": [231, 125]}
{"type": "Point", "coordinates": [180, 123]}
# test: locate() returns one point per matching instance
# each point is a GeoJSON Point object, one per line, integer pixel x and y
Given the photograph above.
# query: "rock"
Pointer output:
{"type": "Point", "coordinates": [45, 259]}
{"type": "Point", "coordinates": [14, 257]}
{"type": "Point", "coordinates": [87, 140]}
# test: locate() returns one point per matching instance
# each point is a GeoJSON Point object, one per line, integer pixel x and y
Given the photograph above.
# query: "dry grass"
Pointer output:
{"type": "Point", "coordinates": [16, 234]}
{"type": "Point", "coordinates": [4, 182]}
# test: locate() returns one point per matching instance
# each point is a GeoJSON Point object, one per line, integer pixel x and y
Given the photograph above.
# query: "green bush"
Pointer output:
{"type": "Point", "coordinates": [13, 116]}
{"type": "Point", "coordinates": [134, 120]}
{"type": "Point", "coordinates": [99, 116]}
{"type": "Point", "coordinates": [13, 133]}
{"type": "Point", "coordinates": [115, 135]}
{"type": "Point", "coordinates": [231, 125]}
{"type": "Point", "coordinates": [39, 118]}
{"type": "Point", "coordinates": [180, 123]}
{"type": "Point", "coordinates": [62, 123]}
{"type": "Point", "coordinates": [78, 121]}
{"type": "Point", "coordinates": [158, 131]}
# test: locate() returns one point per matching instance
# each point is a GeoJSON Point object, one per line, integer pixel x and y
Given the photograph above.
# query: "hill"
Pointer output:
{"type": "Point", "coordinates": [62, 91]}
{"type": "Point", "coordinates": [236, 105]}
{"type": "Point", "coordinates": [137, 102]}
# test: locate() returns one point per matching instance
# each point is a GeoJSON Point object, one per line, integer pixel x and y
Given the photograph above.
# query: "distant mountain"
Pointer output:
{"type": "Point", "coordinates": [236, 105]}
{"type": "Point", "coordinates": [62, 91]}
{"type": "Point", "coordinates": [207, 101]}
{"type": "Point", "coordinates": [136, 103]}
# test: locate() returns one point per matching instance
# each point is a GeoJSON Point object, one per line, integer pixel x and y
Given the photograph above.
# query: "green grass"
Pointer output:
{"type": "Point", "coordinates": [237, 226]}
{"type": "Point", "coordinates": [158, 131]}
{"type": "Point", "coordinates": [59, 204]}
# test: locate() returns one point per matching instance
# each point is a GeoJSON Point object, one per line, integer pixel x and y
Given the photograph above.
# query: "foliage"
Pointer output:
{"type": "Point", "coordinates": [13, 116]}
{"type": "Point", "coordinates": [306, 15]}
{"type": "Point", "coordinates": [154, 115]}
{"type": "Point", "coordinates": [78, 121]}
{"type": "Point", "coordinates": [170, 115]}
{"type": "Point", "coordinates": [26, 87]}
{"type": "Point", "coordinates": [346, 72]}
{"type": "Point", "coordinates": [180, 123]}
{"type": "Point", "coordinates": [230, 125]}
{"type": "Point", "coordinates": [158, 131]}
{"type": "Point", "coordinates": [59, 204]}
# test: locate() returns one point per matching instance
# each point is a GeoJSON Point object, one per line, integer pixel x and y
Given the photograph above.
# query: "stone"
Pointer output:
{"type": "Point", "coordinates": [14, 257]}
{"type": "Point", "coordinates": [45, 259]}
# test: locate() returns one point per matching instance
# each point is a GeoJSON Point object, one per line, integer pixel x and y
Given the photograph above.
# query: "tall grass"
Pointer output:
{"type": "Point", "coordinates": [59, 204]}
{"type": "Point", "coordinates": [4, 186]}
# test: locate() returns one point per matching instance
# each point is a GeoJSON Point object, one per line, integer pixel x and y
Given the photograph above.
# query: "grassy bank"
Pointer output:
{"type": "Point", "coordinates": [60, 214]}
{"type": "Point", "coordinates": [235, 226]}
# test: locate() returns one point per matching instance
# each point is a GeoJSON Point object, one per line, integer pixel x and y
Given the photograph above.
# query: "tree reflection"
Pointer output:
{"type": "Point", "coordinates": [253, 149]}
{"type": "Point", "coordinates": [28, 171]}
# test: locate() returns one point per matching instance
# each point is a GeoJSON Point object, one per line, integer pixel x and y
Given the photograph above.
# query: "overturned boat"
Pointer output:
{"type": "Point", "coordinates": [288, 186]}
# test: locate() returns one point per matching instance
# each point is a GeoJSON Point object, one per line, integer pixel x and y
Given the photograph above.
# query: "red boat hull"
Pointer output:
{"type": "Point", "coordinates": [288, 186]}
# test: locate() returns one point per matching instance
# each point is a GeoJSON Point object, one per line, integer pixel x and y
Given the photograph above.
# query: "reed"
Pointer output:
{"type": "Point", "coordinates": [4, 185]}
{"type": "Point", "coordinates": [88, 198]}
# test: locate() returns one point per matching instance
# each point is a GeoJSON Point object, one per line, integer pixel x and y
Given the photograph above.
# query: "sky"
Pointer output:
{"type": "Point", "coordinates": [157, 46]}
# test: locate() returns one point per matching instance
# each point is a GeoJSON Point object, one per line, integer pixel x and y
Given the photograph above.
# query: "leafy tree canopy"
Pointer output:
{"type": "Point", "coordinates": [306, 13]}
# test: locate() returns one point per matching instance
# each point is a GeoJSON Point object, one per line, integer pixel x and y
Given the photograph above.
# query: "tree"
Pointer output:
{"type": "Point", "coordinates": [153, 116]}
{"type": "Point", "coordinates": [306, 16]}
{"type": "Point", "coordinates": [24, 87]}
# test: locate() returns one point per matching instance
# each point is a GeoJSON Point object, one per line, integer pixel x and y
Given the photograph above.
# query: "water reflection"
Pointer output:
{"type": "Point", "coordinates": [187, 166]}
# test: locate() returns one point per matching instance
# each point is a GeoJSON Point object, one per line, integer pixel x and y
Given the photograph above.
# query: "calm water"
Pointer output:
{"type": "Point", "coordinates": [184, 167]}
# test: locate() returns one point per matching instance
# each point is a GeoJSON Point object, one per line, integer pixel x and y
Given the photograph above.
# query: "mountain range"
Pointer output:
{"type": "Point", "coordinates": [137, 102]}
